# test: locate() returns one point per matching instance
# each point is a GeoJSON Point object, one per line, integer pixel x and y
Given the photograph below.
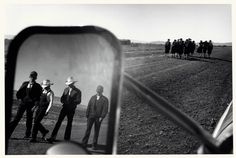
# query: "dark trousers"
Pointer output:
{"type": "Point", "coordinates": [167, 49]}
{"type": "Point", "coordinates": [90, 122]}
{"type": "Point", "coordinates": [37, 122]}
{"type": "Point", "coordinates": [29, 117]}
{"type": "Point", "coordinates": [70, 114]}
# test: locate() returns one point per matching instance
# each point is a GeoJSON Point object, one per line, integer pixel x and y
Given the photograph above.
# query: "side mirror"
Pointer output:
{"type": "Point", "coordinates": [90, 54]}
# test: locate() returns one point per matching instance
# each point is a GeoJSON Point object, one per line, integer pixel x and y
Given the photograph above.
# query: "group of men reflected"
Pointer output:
{"type": "Point", "coordinates": [33, 95]}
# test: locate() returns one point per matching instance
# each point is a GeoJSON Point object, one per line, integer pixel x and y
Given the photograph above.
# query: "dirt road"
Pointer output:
{"type": "Point", "coordinates": [20, 146]}
{"type": "Point", "coordinates": [199, 87]}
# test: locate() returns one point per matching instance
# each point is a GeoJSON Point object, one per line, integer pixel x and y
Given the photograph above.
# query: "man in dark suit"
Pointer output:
{"type": "Point", "coordinates": [209, 49]}
{"type": "Point", "coordinates": [96, 112]}
{"type": "Point", "coordinates": [205, 46]}
{"type": "Point", "coordinates": [167, 46]}
{"type": "Point", "coordinates": [29, 94]}
{"type": "Point", "coordinates": [70, 98]}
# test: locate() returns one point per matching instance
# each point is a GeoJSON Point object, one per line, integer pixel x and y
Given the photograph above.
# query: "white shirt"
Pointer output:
{"type": "Point", "coordinates": [29, 85]}
{"type": "Point", "coordinates": [70, 89]}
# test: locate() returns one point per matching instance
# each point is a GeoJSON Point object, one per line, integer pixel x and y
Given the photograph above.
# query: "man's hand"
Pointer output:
{"type": "Point", "coordinates": [100, 119]}
{"type": "Point", "coordinates": [33, 109]}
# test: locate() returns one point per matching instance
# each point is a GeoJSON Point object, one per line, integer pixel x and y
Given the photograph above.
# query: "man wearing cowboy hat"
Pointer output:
{"type": "Point", "coordinates": [29, 94]}
{"type": "Point", "coordinates": [45, 103]}
{"type": "Point", "coordinates": [70, 98]}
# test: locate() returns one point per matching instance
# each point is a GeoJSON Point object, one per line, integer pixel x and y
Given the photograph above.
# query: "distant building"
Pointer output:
{"type": "Point", "coordinates": [125, 42]}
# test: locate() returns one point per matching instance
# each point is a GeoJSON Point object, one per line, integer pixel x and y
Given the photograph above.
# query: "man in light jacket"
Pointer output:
{"type": "Point", "coordinates": [96, 112]}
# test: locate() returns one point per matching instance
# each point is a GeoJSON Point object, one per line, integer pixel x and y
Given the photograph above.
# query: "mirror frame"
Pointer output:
{"type": "Point", "coordinates": [10, 68]}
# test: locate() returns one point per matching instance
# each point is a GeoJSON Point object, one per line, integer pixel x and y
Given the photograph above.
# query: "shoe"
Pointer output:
{"type": "Point", "coordinates": [44, 134]}
{"type": "Point", "coordinates": [66, 139]}
{"type": "Point", "coordinates": [84, 145]}
{"type": "Point", "coordinates": [94, 147]}
{"type": "Point", "coordinates": [50, 140]}
{"type": "Point", "coordinates": [33, 140]}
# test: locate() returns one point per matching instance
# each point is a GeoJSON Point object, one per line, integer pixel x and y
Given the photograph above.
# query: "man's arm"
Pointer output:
{"type": "Point", "coordinates": [19, 92]}
{"type": "Point", "coordinates": [78, 97]}
{"type": "Point", "coordinates": [63, 97]}
{"type": "Point", "coordinates": [38, 93]}
{"type": "Point", "coordinates": [88, 108]}
{"type": "Point", "coordinates": [105, 108]}
{"type": "Point", "coordinates": [51, 98]}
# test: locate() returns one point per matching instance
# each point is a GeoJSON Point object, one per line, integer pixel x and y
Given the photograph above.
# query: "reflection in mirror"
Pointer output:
{"type": "Point", "coordinates": [68, 78]}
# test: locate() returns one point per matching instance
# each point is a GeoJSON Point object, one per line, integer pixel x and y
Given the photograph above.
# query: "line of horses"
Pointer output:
{"type": "Point", "coordinates": [180, 48]}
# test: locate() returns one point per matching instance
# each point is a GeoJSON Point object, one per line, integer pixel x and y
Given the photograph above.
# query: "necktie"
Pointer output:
{"type": "Point", "coordinates": [30, 86]}
{"type": "Point", "coordinates": [68, 96]}
{"type": "Point", "coordinates": [70, 91]}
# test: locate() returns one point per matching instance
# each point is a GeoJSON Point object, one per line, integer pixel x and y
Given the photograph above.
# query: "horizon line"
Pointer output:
{"type": "Point", "coordinates": [10, 37]}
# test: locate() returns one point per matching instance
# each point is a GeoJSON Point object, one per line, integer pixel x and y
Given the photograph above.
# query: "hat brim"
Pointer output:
{"type": "Point", "coordinates": [46, 85]}
{"type": "Point", "coordinates": [68, 83]}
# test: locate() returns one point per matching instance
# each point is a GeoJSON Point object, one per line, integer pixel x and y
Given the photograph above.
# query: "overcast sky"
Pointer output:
{"type": "Point", "coordinates": [137, 22]}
